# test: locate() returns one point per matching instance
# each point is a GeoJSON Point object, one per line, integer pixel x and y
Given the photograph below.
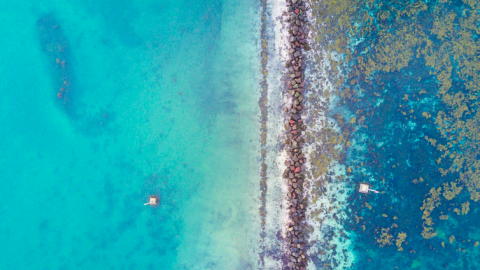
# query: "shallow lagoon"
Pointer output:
{"type": "Point", "coordinates": [163, 100]}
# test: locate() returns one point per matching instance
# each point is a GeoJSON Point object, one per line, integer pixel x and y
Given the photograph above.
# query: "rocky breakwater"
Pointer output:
{"type": "Point", "coordinates": [296, 235]}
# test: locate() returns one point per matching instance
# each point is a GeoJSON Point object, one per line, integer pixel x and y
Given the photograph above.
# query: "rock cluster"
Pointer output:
{"type": "Point", "coordinates": [296, 235]}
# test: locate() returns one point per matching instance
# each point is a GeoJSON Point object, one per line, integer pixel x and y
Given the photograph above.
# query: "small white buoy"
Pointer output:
{"type": "Point", "coordinates": [153, 201]}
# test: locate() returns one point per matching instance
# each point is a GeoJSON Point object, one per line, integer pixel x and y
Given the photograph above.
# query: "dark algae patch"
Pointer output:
{"type": "Point", "coordinates": [263, 131]}
{"type": "Point", "coordinates": [404, 89]}
{"type": "Point", "coordinates": [54, 43]}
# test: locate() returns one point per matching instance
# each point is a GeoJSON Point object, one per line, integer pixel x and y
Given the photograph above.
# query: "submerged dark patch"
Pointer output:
{"type": "Point", "coordinates": [54, 43]}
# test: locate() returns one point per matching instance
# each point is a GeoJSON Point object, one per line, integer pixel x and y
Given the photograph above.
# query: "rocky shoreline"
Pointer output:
{"type": "Point", "coordinates": [294, 174]}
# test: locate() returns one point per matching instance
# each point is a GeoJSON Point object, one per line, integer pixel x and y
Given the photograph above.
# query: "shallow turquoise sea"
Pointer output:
{"type": "Point", "coordinates": [163, 99]}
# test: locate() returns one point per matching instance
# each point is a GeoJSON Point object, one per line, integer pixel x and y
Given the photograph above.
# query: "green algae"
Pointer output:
{"type": "Point", "coordinates": [400, 239]}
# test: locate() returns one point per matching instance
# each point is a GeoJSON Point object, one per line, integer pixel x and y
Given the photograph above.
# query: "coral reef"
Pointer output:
{"type": "Point", "coordinates": [404, 95]}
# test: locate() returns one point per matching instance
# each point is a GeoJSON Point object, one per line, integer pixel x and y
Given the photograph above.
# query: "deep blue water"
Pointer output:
{"type": "Point", "coordinates": [412, 70]}
{"type": "Point", "coordinates": [400, 80]}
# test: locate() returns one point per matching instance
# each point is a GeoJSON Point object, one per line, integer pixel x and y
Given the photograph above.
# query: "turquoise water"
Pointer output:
{"type": "Point", "coordinates": [162, 99]}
